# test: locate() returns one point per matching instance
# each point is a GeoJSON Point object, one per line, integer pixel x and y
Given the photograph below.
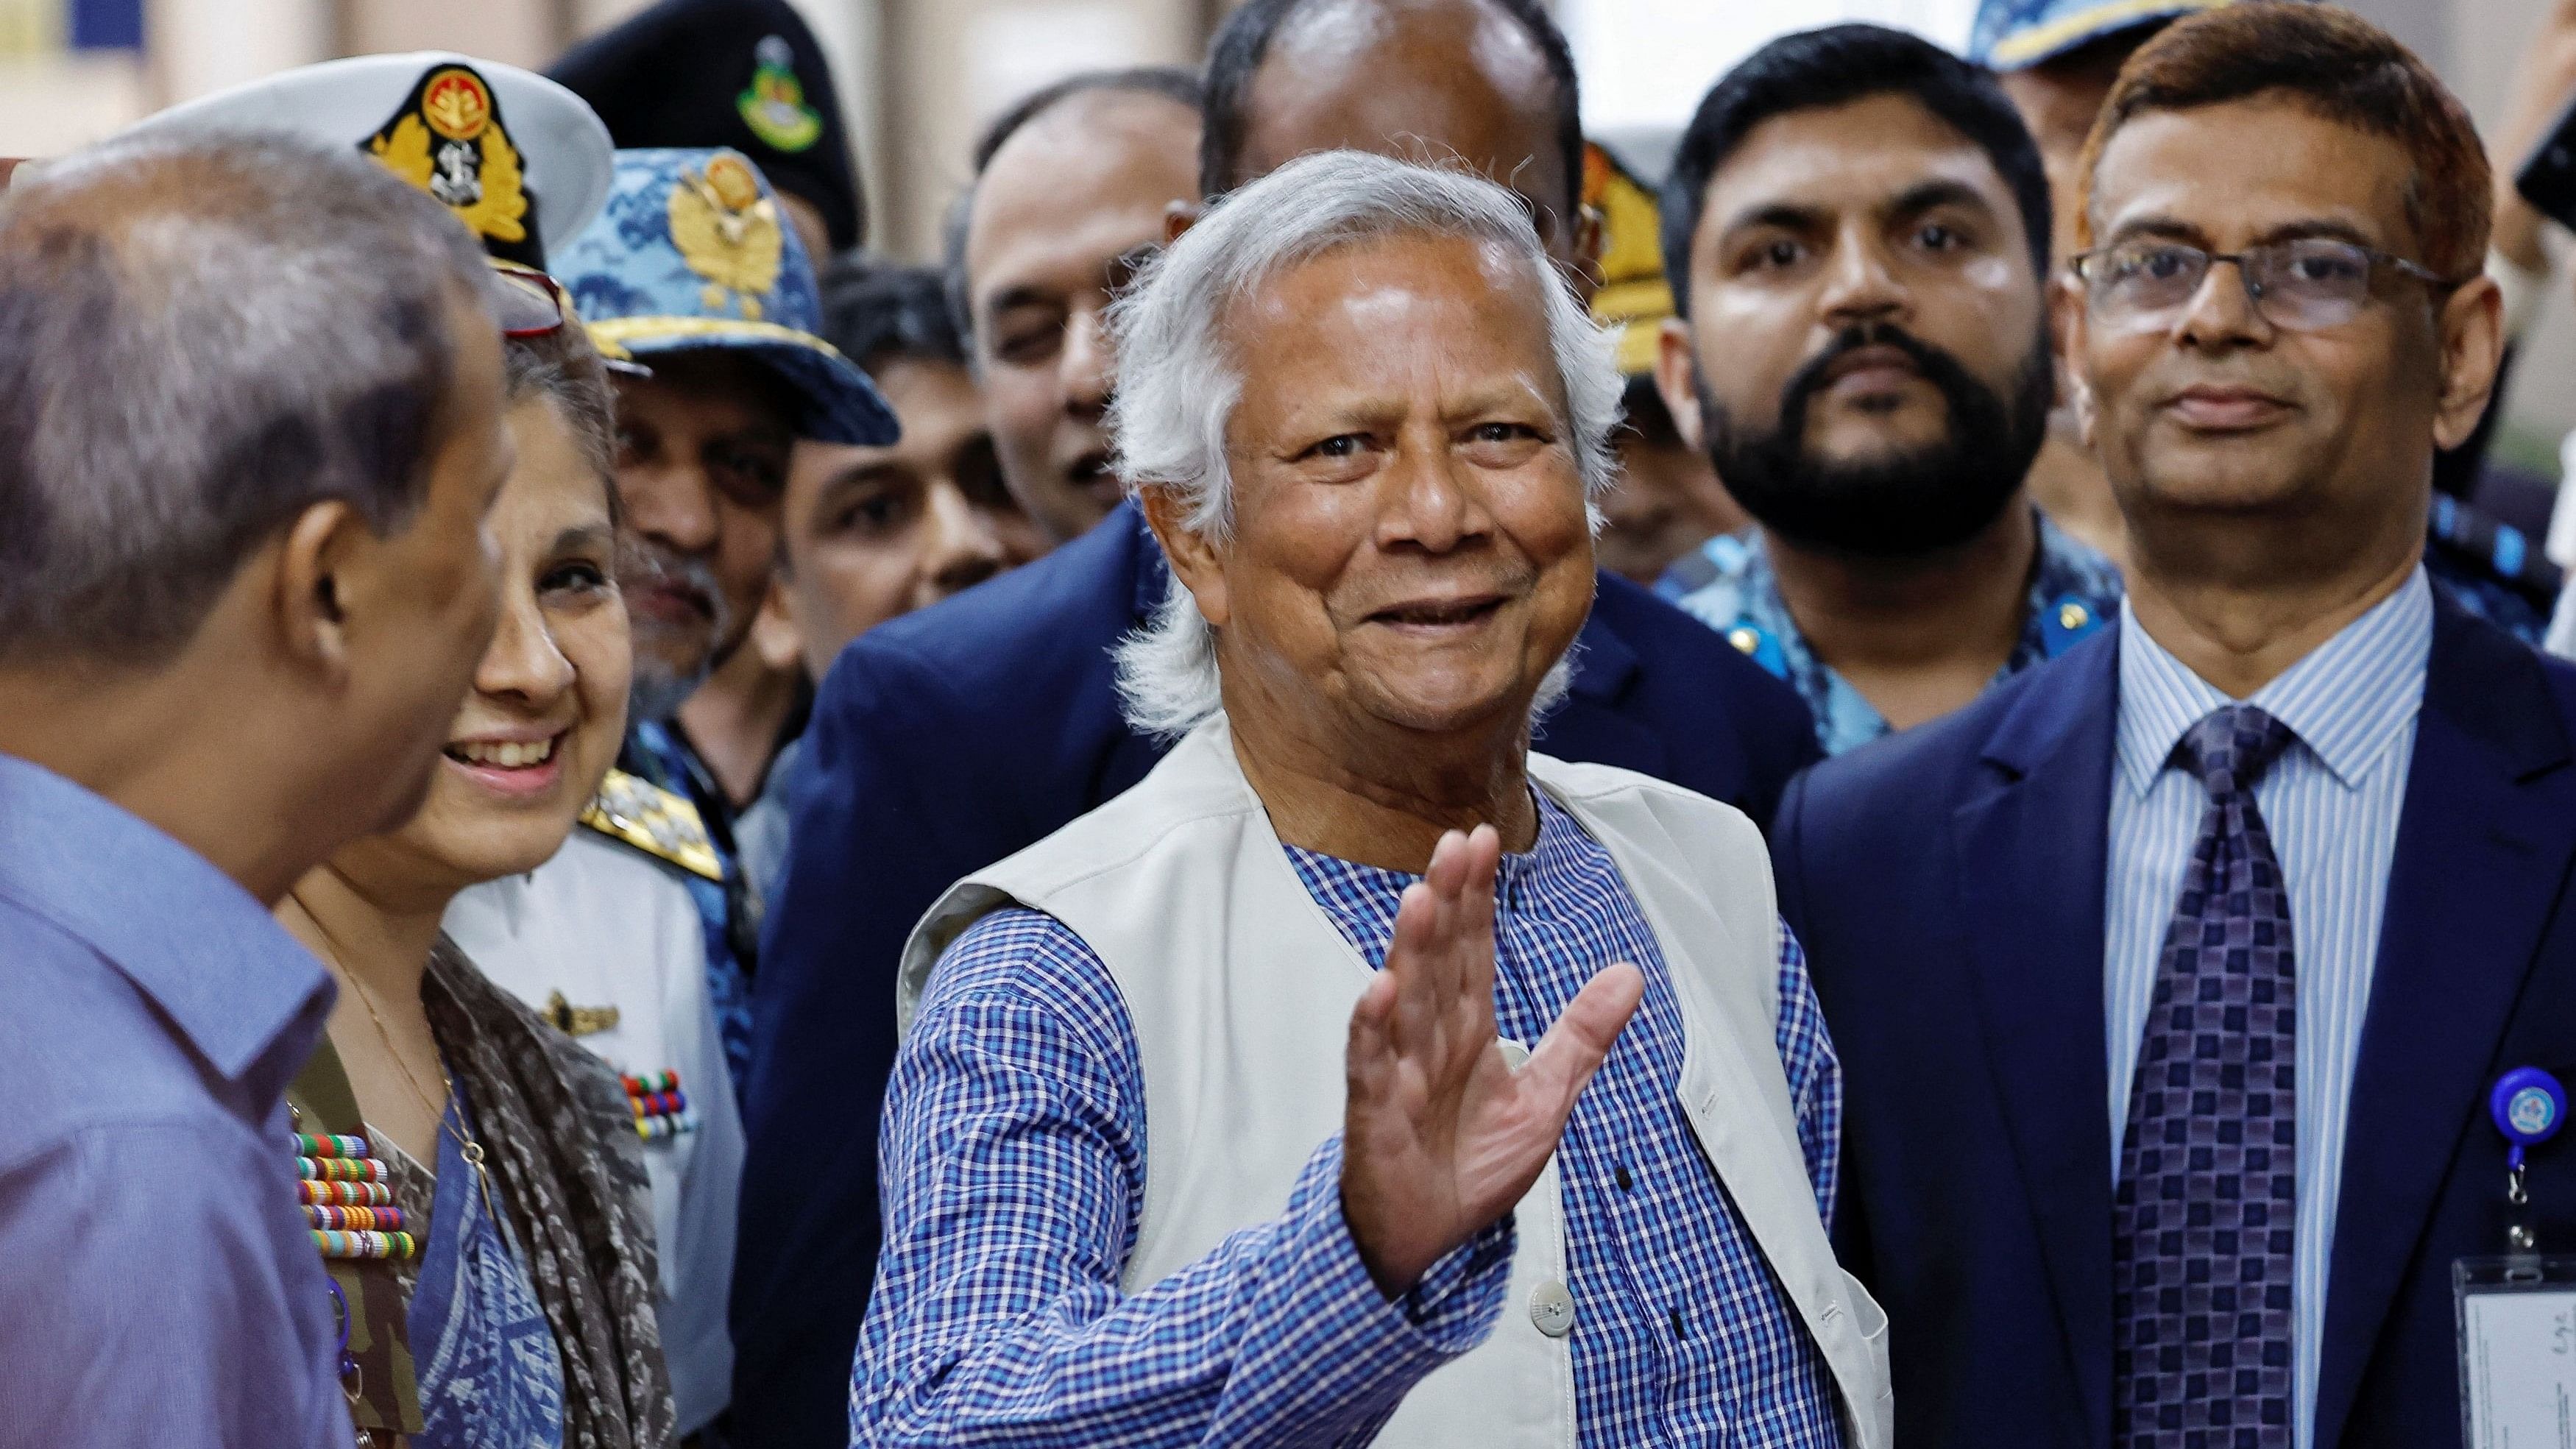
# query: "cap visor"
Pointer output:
{"type": "Point", "coordinates": [840, 405]}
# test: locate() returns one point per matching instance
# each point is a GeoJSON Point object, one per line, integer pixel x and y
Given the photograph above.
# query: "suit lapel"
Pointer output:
{"type": "Point", "coordinates": [2483, 845]}
{"type": "Point", "coordinates": [2031, 862]}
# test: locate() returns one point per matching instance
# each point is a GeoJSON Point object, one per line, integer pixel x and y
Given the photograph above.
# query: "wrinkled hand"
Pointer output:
{"type": "Point", "coordinates": [1441, 1137]}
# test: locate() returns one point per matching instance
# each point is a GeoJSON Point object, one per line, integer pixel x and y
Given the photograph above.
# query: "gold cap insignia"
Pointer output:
{"type": "Point", "coordinates": [654, 821]}
{"type": "Point", "coordinates": [573, 1020]}
{"type": "Point", "coordinates": [727, 232]}
{"type": "Point", "coordinates": [447, 138]}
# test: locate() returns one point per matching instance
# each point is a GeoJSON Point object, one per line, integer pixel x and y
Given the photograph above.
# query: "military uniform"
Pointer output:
{"type": "Point", "coordinates": [604, 941]}
{"type": "Point", "coordinates": [1728, 585]}
{"type": "Point", "coordinates": [690, 254]}
{"type": "Point", "coordinates": [656, 755]}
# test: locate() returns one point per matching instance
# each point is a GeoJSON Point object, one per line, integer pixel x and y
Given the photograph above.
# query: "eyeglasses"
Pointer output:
{"type": "Point", "coordinates": [2307, 284]}
{"type": "Point", "coordinates": [532, 303]}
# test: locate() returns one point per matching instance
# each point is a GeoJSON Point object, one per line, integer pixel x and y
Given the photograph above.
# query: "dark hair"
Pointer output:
{"type": "Point", "coordinates": [876, 312]}
{"type": "Point", "coordinates": [2340, 67]}
{"type": "Point", "coordinates": [199, 339]}
{"type": "Point", "coordinates": [1176, 84]}
{"type": "Point", "coordinates": [1173, 83]}
{"type": "Point", "coordinates": [1834, 66]}
{"type": "Point", "coordinates": [1235, 55]}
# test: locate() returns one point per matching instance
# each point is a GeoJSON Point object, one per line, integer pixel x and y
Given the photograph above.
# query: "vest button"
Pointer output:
{"type": "Point", "coordinates": [1552, 1308]}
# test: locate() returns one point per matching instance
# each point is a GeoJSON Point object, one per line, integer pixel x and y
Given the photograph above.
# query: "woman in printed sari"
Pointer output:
{"type": "Point", "coordinates": [475, 1177]}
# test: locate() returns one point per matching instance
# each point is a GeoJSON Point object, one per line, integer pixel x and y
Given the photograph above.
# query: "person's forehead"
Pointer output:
{"type": "Point", "coordinates": [554, 486]}
{"type": "Point", "coordinates": [1442, 294]}
{"type": "Point", "coordinates": [1078, 185]}
{"type": "Point", "coordinates": [1862, 153]}
{"type": "Point", "coordinates": [1451, 78]}
{"type": "Point", "coordinates": [2191, 168]}
{"type": "Point", "coordinates": [936, 402]}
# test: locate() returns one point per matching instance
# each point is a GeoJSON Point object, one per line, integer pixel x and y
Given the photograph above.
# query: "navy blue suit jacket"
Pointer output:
{"type": "Point", "coordinates": [1949, 886]}
{"type": "Point", "coordinates": [948, 739]}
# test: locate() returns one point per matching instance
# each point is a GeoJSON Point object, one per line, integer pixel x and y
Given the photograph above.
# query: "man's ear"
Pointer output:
{"type": "Point", "coordinates": [1194, 563]}
{"type": "Point", "coordinates": [2068, 328]}
{"type": "Point", "coordinates": [775, 637]}
{"type": "Point", "coordinates": [2472, 338]}
{"type": "Point", "coordinates": [313, 562]}
{"type": "Point", "coordinates": [1590, 235]}
{"type": "Point", "coordinates": [1677, 378]}
{"type": "Point", "coordinates": [1179, 217]}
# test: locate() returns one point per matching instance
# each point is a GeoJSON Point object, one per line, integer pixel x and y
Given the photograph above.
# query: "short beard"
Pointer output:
{"type": "Point", "coordinates": [658, 690]}
{"type": "Point", "coordinates": [1918, 503]}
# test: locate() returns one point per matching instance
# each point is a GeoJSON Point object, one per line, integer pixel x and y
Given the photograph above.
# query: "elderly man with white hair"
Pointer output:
{"type": "Point", "coordinates": [1215, 1123]}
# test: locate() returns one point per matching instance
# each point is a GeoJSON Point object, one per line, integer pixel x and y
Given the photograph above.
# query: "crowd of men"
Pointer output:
{"type": "Point", "coordinates": [1370, 772]}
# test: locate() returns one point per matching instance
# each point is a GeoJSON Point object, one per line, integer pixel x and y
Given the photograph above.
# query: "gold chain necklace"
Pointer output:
{"type": "Point", "coordinates": [466, 1146]}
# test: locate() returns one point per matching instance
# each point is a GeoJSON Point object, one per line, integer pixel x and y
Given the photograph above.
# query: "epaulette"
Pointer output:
{"type": "Point", "coordinates": [653, 820]}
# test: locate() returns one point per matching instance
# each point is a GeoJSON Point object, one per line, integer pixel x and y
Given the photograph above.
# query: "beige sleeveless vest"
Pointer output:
{"type": "Point", "coordinates": [1240, 991]}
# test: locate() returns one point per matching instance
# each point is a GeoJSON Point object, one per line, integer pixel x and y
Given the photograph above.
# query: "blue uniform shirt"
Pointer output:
{"type": "Point", "coordinates": [1728, 584]}
{"type": "Point", "coordinates": [157, 1284]}
{"type": "Point", "coordinates": [658, 754]}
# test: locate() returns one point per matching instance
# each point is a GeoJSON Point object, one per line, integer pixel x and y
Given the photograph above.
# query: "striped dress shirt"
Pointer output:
{"type": "Point", "coordinates": [1014, 1176]}
{"type": "Point", "coordinates": [2332, 803]}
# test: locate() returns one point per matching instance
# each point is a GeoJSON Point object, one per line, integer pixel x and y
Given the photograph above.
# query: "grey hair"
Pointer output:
{"type": "Point", "coordinates": [1179, 381]}
{"type": "Point", "coordinates": [200, 338]}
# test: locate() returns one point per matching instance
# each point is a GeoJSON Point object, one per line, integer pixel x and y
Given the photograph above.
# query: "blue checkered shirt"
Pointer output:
{"type": "Point", "coordinates": [1014, 1176]}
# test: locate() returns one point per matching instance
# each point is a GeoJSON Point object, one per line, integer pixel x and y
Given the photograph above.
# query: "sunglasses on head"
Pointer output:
{"type": "Point", "coordinates": [532, 304]}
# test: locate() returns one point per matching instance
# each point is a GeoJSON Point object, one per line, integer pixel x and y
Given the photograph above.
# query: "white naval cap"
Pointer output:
{"type": "Point", "coordinates": [552, 145]}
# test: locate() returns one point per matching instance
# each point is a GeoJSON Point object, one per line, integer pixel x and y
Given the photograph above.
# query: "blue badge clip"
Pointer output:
{"type": "Point", "coordinates": [2529, 1106]}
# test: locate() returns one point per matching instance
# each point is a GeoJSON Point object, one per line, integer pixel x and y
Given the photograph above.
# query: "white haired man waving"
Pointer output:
{"type": "Point", "coordinates": [1365, 419]}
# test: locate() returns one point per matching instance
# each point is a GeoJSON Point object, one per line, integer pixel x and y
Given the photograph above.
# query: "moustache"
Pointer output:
{"type": "Point", "coordinates": [653, 565]}
{"type": "Point", "coordinates": [1938, 367]}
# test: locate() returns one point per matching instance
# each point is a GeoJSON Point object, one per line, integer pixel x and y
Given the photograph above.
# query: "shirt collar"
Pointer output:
{"type": "Point", "coordinates": [2348, 700]}
{"type": "Point", "coordinates": [1362, 899]}
{"type": "Point", "coordinates": [231, 980]}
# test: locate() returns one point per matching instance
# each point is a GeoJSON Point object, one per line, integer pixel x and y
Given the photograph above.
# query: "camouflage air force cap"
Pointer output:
{"type": "Point", "coordinates": [691, 254]}
{"type": "Point", "coordinates": [2018, 34]}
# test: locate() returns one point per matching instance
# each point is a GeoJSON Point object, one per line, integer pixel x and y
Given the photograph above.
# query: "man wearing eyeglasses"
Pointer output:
{"type": "Point", "coordinates": [2170, 981]}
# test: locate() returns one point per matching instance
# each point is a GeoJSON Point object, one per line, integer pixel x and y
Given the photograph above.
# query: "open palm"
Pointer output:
{"type": "Point", "coordinates": [1441, 1136]}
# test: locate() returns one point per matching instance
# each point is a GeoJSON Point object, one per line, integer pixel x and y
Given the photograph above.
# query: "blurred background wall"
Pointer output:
{"type": "Point", "coordinates": [920, 77]}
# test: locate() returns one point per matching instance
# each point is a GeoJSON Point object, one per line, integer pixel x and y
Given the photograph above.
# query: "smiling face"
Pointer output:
{"type": "Point", "coordinates": [1410, 552]}
{"type": "Point", "coordinates": [1061, 217]}
{"type": "Point", "coordinates": [702, 450]}
{"type": "Point", "coordinates": [1864, 354]}
{"type": "Point", "coordinates": [2215, 412]}
{"type": "Point", "coordinates": [875, 532]}
{"type": "Point", "coordinates": [548, 705]}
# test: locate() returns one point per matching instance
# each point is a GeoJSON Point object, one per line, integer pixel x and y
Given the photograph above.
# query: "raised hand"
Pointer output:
{"type": "Point", "coordinates": [1441, 1136]}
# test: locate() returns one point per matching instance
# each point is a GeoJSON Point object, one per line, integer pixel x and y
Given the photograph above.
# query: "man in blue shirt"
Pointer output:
{"type": "Point", "coordinates": [1857, 232]}
{"type": "Point", "coordinates": [251, 400]}
{"type": "Point", "coordinates": [2171, 980]}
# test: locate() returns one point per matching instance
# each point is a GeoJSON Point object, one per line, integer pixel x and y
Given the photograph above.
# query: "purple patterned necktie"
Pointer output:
{"type": "Point", "coordinates": [2201, 1223]}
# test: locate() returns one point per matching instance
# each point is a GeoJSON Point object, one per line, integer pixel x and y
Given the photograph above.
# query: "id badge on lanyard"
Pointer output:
{"type": "Point", "coordinates": [2517, 1312]}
